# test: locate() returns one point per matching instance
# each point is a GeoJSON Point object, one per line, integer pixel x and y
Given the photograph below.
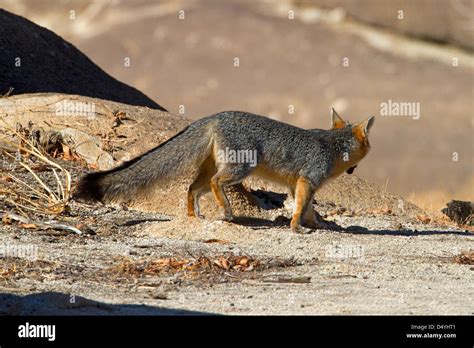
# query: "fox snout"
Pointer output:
{"type": "Point", "coordinates": [351, 169]}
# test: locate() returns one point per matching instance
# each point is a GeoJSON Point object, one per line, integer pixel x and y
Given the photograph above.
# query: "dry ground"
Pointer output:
{"type": "Point", "coordinates": [369, 268]}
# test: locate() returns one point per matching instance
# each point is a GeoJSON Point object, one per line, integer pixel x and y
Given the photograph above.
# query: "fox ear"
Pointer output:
{"type": "Point", "coordinates": [367, 124]}
{"type": "Point", "coordinates": [336, 120]}
{"type": "Point", "coordinates": [361, 129]}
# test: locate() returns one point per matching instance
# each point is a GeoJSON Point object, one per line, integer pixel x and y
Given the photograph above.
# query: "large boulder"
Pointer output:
{"type": "Point", "coordinates": [34, 59]}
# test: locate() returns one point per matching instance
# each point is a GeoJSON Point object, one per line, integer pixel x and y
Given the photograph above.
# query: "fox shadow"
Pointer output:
{"type": "Point", "coordinates": [58, 303]}
{"type": "Point", "coordinates": [283, 222]}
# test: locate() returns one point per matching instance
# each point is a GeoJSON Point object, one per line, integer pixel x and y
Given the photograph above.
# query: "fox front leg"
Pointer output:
{"type": "Point", "coordinates": [304, 192]}
{"type": "Point", "coordinates": [310, 218]}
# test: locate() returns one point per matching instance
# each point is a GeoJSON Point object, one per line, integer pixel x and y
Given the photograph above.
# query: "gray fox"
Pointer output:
{"type": "Point", "coordinates": [227, 147]}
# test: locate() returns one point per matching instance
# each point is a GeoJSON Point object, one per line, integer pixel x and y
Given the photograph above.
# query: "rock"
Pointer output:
{"type": "Point", "coordinates": [460, 212]}
{"type": "Point", "coordinates": [87, 147]}
{"type": "Point", "coordinates": [35, 59]}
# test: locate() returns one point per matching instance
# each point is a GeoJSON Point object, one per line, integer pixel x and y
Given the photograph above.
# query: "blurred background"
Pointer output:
{"type": "Point", "coordinates": [293, 60]}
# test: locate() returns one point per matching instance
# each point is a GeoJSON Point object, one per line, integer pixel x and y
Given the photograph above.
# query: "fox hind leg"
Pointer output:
{"type": "Point", "coordinates": [199, 187]}
{"type": "Point", "coordinates": [228, 175]}
{"type": "Point", "coordinates": [304, 192]}
{"type": "Point", "coordinates": [196, 190]}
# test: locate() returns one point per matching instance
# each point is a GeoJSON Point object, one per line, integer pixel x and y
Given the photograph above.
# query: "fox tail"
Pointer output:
{"type": "Point", "coordinates": [176, 156]}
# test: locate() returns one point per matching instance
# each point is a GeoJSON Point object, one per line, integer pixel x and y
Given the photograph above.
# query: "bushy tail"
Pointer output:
{"type": "Point", "coordinates": [179, 154]}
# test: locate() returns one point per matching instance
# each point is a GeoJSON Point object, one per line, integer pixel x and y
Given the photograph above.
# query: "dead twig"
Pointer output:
{"type": "Point", "coordinates": [41, 225]}
{"type": "Point", "coordinates": [294, 280]}
{"type": "Point", "coordinates": [35, 195]}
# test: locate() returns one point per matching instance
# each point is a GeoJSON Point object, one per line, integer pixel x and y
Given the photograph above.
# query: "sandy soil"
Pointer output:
{"type": "Point", "coordinates": [368, 268]}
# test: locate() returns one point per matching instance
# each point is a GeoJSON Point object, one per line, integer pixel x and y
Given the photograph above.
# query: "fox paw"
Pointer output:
{"type": "Point", "coordinates": [226, 217]}
{"type": "Point", "coordinates": [301, 230]}
{"type": "Point", "coordinates": [194, 215]}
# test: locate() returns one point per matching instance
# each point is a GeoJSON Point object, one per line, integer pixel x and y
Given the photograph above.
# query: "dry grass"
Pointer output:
{"type": "Point", "coordinates": [46, 186]}
{"type": "Point", "coordinates": [434, 200]}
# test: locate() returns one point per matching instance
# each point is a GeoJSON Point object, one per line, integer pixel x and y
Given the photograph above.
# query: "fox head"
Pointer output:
{"type": "Point", "coordinates": [355, 139]}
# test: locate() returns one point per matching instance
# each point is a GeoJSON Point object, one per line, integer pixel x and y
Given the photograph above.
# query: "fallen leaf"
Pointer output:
{"type": "Point", "coordinates": [29, 226]}
{"type": "Point", "coordinates": [243, 261]}
{"type": "Point", "coordinates": [465, 258]}
{"type": "Point", "coordinates": [381, 211]}
{"type": "Point", "coordinates": [40, 168]}
{"type": "Point", "coordinates": [93, 166]}
{"type": "Point", "coordinates": [67, 156]}
{"type": "Point", "coordinates": [221, 241]}
{"type": "Point", "coordinates": [423, 218]}
{"type": "Point", "coordinates": [6, 219]}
